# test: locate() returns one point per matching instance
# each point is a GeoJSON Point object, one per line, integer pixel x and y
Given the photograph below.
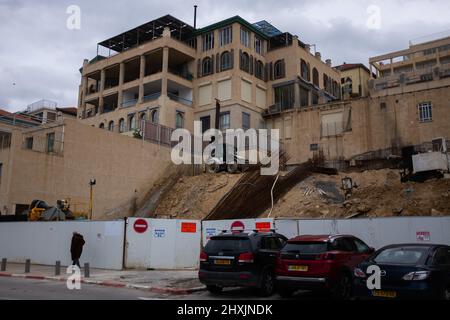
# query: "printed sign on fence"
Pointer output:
{"type": "Point", "coordinates": [423, 236]}
{"type": "Point", "coordinates": [159, 233]}
{"type": "Point", "coordinates": [188, 227]}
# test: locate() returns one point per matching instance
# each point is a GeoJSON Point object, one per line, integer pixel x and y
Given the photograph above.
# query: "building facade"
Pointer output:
{"type": "Point", "coordinates": [170, 73]}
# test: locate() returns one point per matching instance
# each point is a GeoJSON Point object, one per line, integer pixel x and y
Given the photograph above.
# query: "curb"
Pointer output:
{"type": "Point", "coordinates": [112, 284]}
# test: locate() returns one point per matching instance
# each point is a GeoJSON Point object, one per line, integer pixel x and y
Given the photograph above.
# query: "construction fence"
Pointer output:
{"type": "Point", "coordinates": [144, 243]}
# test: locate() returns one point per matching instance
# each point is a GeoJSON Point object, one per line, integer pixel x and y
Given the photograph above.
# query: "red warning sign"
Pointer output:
{"type": "Point", "coordinates": [140, 225]}
{"type": "Point", "coordinates": [237, 227]}
{"type": "Point", "coordinates": [262, 226]}
{"type": "Point", "coordinates": [188, 227]}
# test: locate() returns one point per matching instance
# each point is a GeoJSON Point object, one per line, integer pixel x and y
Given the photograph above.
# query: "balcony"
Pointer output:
{"type": "Point", "coordinates": [152, 96]}
{"type": "Point", "coordinates": [181, 100]}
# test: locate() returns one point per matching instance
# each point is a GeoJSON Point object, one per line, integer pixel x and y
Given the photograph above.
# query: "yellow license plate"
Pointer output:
{"type": "Point", "coordinates": [298, 268]}
{"type": "Point", "coordinates": [384, 294]}
{"type": "Point", "coordinates": [222, 262]}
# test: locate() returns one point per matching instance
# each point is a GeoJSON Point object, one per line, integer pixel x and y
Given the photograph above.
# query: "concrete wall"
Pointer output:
{"type": "Point", "coordinates": [373, 126]}
{"type": "Point", "coordinates": [125, 170]}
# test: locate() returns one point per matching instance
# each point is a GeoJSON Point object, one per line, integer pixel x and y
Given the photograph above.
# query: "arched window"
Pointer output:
{"type": "Point", "coordinates": [304, 70]}
{"type": "Point", "coordinates": [142, 118]}
{"type": "Point", "coordinates": [316, 77]}
{"type": "Point", "coordinates": [179, 120]}
{"type": "Point", "coordinates": [335, 89]}
{"type": "Point", "coordinates": [132, 122]}
{"type": "Point", "coordinates": [154, 116]}
{"type": "Point", "coordinates": [121, 125]}
{"type": "Point", "coordinates": [111, 126]}
{"type": "Point", "coordinates": [225, 61]}
{"type": "Point", "coordinates": [245, 62]}
{"type": "Point", "coordinates": [102, 126]}
{"type": "Point", "coordinates": [325, 82]}
{"type": "Point", "coordinates": [278, 69]}
{"type": "Point", "coordinates": [206, 66]}
{"type": "Point", "coordinates": [259, 70]}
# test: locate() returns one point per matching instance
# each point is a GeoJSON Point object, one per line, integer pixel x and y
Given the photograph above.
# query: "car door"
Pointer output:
{"type": "Point", "coordinates": [270, 245]}
{"type": "Point", "coordinates": [441, 263]}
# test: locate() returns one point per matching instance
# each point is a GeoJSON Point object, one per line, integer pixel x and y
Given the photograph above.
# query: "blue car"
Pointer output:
{"type": "Point", "coordinates": [408, 271]}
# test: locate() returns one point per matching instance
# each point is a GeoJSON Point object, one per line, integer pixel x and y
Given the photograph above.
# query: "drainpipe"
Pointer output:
{"type": "Point", "coordinates": [195, 16]}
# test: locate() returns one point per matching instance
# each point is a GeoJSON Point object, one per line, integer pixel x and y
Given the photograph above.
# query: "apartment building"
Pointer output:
{"type": "Point", "coordinates": [354, 80]}
{"type": "Point", "coordinates": [420, 67]}
{"type": "Point", "coordinates": [170, 73]}
{"type": "Point", "coordinates": [407, 105]}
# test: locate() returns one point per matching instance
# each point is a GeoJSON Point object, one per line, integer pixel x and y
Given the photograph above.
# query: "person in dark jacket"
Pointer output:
{"type": "Point", "coordinates": [76, 248]}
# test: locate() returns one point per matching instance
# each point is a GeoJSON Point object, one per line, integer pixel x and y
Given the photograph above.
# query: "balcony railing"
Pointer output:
{"type": "Point", "coordinates": [129, 103]}
{"type": "Point", "coordinates": [179, 99]}
{"type": "Point", "coordinates": [152, 96]}
{"type": "Point", "coordinates": [182, 74]}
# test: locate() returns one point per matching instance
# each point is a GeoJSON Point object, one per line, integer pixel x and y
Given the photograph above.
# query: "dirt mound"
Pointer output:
{"type": "Point", "coordinates": [379, 193]}
{"type": "Point", "coordinates": [195, 197]}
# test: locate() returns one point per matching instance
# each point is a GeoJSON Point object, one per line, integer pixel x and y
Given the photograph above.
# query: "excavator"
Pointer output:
{"type": "Point", "coordinates": [39, 210]}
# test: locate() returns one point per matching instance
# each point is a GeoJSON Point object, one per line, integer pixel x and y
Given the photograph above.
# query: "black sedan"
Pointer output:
{"type": "Point", "coordinates": [407, 271]}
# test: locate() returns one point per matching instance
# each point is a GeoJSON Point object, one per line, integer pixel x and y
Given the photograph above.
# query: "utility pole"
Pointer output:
{"type": "Point", "coordinates": [91, 197]}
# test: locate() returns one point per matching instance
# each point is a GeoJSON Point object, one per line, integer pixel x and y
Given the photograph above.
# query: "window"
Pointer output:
{"type": "Point", "coordinates": [316, 77]}
{"type": "Point", "coordinates": [425, 112]}
{"type": "Point", "coordinates": [430, 51]}
{"type": "Point", "coordinates": [51, 142]}
{"type": "Point", "coordinates": [271, 243]}
{"type": "Point", "coordinates": [245, 37]}
{"type": "Point", "coordinates": [442, 257]}
{"type": "Point", "coordinates": [51, 116]}
{"type": "Point", "coordinates": [284, 97]}
{"type": "Point", "coordinates": [122, 125]}
{"type": "Point", "coordinates": [206, 123]}
{"type": "Point", "coordinates": [245, 121]}
{"type": "Point", "coordinates": [361, 247]}
{"type": "Point", "coordinates": [304, 72]}
{"type": "Point", "coordinates": [259, 70]}
{"type": "Point", "coordinates": [304, 97]}
{"type": "Point", "coordinates": [208, 41]}
{"type": "Point", "coordinates": [131, 122]}
{"type": "Point", "coordinates": [224, 122]}
{"type": "Point", "coordinates": [29, 143]}
{"type": "Point", "coordinates": [315, 98]}
{"type": "Point", "coordinates": [325, 82]}
{"type": "Point", "coordinates": [245, 62]}
{"type": "Point", "coordinates": [179, 120]}
{"type": "Point", "coordinates": [343, 244]}
{"type": "Point", "coordinates": [225, 61]}
{"type": "Point", "coordinates": [279, 69]}
{"type": "Point", "coordinates": [154, 116]}
{"type": "Point", "coordinates": [206, 66]}
{"type": "Point", "coordinates": [259, 45]}
{"type": "Point", "coordinates": [111, 126]}
{"type": "Point", "coordinates": [225, 36]}
{"type": "Point", "coordinates": [102, 126]}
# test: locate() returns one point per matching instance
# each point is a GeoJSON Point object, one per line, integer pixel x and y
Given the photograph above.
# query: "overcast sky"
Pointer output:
{"type": "Point", "coordinates": [40, 56]}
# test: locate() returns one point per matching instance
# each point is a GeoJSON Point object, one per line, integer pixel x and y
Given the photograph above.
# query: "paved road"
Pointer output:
{"type": "Point", "coordinates": [27, 289]}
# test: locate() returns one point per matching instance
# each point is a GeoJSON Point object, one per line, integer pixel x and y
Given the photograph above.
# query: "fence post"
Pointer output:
{"type": "Point", "coordinates": [27, 266]}
{"type": "Point", "coordinates": [86, 270]}
{"type": "Point", "coordinates": [4, 261]}
{"type": "Point", "coordinates": [58, 268]}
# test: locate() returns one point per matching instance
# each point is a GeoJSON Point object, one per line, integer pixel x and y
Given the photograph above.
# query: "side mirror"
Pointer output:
{"type": "Point", "coordinates": [371, 250]}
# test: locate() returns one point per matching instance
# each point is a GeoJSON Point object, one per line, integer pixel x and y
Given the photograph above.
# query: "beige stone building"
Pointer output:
{"type": "Point", "coordinates": [403, 108]}
{"type": "Point", "coordinates": [354, 80]}
{"type": "Point", "coordinates": [57, 161]}
{"type": "Point", "coordinates": [167, 72]}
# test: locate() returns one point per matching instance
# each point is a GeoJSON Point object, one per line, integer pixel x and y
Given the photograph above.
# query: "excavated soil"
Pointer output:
{"type": "Point", "coordinates": [379, 193]}
{"type": "Point", "coordinates": [195, 197]}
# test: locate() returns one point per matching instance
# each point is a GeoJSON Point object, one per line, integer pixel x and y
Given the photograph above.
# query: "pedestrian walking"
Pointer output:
{"type": "Point", "coordinates": [76, 248]}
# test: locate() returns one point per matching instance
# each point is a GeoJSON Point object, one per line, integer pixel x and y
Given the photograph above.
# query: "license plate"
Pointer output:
{"type": "Point", "coordinates": [222, 262]}
{"type": "Point", "coordinates": [298, 268]}
{"type": "Point", "coordinates": [384, 294]}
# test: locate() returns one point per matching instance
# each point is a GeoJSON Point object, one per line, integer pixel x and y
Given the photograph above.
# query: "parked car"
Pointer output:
{"type": "Point", "coordinates": [320, 262]}
{"type": "Point", "coordinates": [407, 271]}
{"type": "Point", "coordinates": [241, 260]}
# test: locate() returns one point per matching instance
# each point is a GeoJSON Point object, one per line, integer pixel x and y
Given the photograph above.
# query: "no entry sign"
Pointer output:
{"type": "Point", "coordinates": [237, 227]}
{"type": "Point", "coordinates": [140, 226]}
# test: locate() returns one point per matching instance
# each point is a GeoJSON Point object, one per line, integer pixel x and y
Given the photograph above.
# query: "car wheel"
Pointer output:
{"type": "Point", "coordinates": [232, 168]}
{"type": "Point", "coordinates": [343, 288]}
{"type": "Point", "coordinates": [268, 284]}
{"type": "Point", "coordinates": [214, 289]}
{"type": "Point", "coordinates": [285, 293]}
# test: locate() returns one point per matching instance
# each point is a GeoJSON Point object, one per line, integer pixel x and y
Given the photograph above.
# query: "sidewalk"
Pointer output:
{"type": "Point", "coordinates": [161, 281]}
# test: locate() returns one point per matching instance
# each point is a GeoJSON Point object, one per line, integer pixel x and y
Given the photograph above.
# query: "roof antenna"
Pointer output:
{"type": "Point", "coordinates": [195, 16]}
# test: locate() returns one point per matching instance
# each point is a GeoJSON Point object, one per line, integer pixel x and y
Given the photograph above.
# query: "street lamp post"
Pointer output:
{"type": "Point", "coordinates": [92, 183]}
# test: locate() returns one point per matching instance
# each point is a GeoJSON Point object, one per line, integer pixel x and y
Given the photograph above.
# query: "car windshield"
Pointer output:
{"type": "Point", "coordinates": [228, 245]}
{"type": "Point", "coordinates": [306, 247]}
{"type": "Point", "coordinates": [404, 255]}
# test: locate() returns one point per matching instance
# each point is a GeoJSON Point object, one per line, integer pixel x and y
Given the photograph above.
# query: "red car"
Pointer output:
{"type": "Point", "coordinates": [320, 263]}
